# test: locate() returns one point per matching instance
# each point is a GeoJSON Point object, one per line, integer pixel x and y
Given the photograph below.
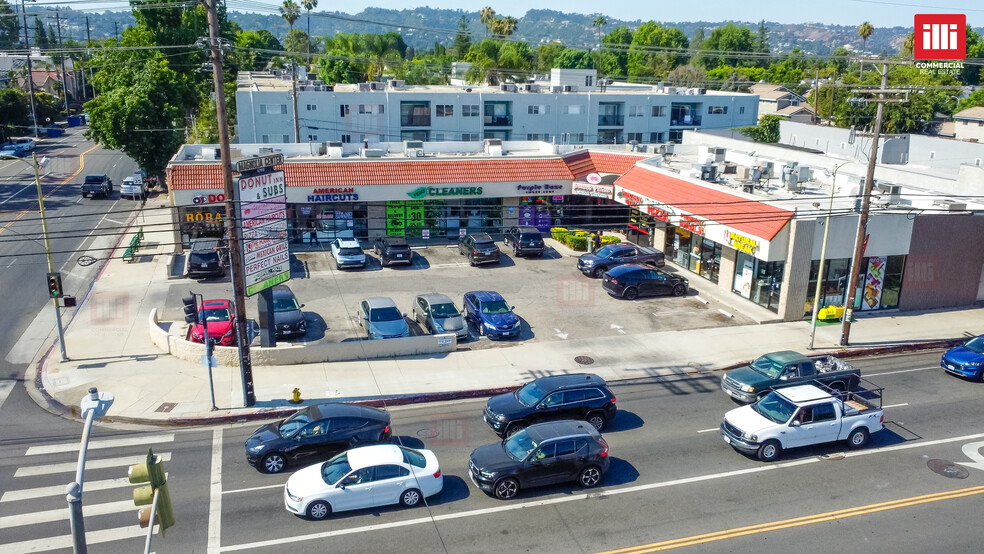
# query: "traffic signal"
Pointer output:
{"type": "Point", "coordinates": [152, 472]}
{"type": "Point", "coordinates": [54, 285]}
{"type": "Point", "coordinates": [190, 308]}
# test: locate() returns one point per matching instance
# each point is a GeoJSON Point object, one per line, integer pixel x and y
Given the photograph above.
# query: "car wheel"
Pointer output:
{"type": "Point", "coordinates": [274, 462]}
{"type": "Point", "coordinates": [506, 488]}
{"type": "Point", "coordinates": [858, 438]}
{"type": "Point", "coordinates": [769, 452]}
{"type": "Point", "coordinates": [679, 290]}
{"type": "Point", "coordinates": [516, 250]}
{"type": "Point", "coordinates": [410, 498]}
{"type": "Point", "coordinates": [481, 329]}
{"type": "Point", "coordinates": [514, 428]}
{"type": "Point", "coordinates": [598, 272]}
{"type": "Point", "coordinates": [630, 293]}
{"type": "Point", "coordinates": [319, 509]}
{"type": "Point", "coordinates": [589, 476]}
{"type": "Point", "coordinates": [597, 420]}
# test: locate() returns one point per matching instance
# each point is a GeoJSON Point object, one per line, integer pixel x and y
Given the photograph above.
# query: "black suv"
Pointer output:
{"type": "Point", "coordinates": [479, 248]}
{"type": "Point", "coordinates": [392, 250]}
{"type": "Point", "coordinates": [542, 454]}
{"type": "Point", "coordinates": [316, 433]}
{"type": "Point", "coordinates": [524, 239]}
{"type": "Point", "coordinates": [571, 396]}
{"type": "Point", "coordinates": [208, 258]}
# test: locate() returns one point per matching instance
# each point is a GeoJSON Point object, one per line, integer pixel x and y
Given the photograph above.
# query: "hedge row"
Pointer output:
{"type": "Point", "coordinates": [578, 239]}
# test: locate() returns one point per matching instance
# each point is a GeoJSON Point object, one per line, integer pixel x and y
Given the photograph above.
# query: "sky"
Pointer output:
{"type": "Point", "coordinates": [880, 13]}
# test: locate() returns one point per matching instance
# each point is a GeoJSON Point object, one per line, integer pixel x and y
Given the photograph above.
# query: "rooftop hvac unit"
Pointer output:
{"type": "Point", "coordinates": [373, 152]}
{"type": "Point", "coordinates": [365, 87]}
{"type": "Point", "coordinates": [529, 87]}
{"type": "Point", "coordinates": [888, 192]}
{"type": "Point", "coordinates": [950, 205]}
{"type": "Point", "coordinates": [377, 85]}
{"type": "Point", "coordinates": [570, 88]}
{"type": "Point", "coordinates": [333, 149]}
{"type": "Point", "coordinates": [396, 84]}
{"type": "Point", "coordinates": [708, 172]}
{"type": "Point", "coordinates": [327, 88]}
{"type": "Point", "coordinates": [556, 89]}
{"type": "Point", "coordinates": [411, 144]}
{"type": "Point", "coordinates": [743, 172]}
{"type": "Point", "coordinates": [717, 153]}
{"type": "Point", "coordinates": [493, 142]}
{"type": "Point", "coordinates": [702, 91]}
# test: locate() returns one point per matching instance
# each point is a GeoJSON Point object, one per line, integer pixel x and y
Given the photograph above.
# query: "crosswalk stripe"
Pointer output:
{"type": "Point", "coordinates": [5, 387]}
{"type": "Point", "coordinates": [65, 541]}
{"type": "Point", "coordinates": [54, 490]}
{"type": "Point", "coordinates": [46, 516]}
{"type": "Point", "coordinates": [97, 444]}
{"type": "Point", "coordinates": [69, 467]}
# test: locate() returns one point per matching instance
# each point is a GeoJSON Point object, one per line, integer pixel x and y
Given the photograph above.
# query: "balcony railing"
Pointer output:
{"type": "Point", "coordinates": [415, 120]}
{"type": "Point", "coordinates": [687, 120]}
{"type": "Point", "coordinates": [611, 120]}
{"type": "Point", "coordinates": [498, 121]}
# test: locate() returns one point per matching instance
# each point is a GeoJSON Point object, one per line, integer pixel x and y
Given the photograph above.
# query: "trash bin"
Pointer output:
{"type": "Point", "coordinates": [55, 132]}
{"type": "Point", "coordinates": [74, 120]}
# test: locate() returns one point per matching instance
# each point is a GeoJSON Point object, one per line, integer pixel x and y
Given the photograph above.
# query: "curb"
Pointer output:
{"type": "Point", "coordinates": [423, 398]}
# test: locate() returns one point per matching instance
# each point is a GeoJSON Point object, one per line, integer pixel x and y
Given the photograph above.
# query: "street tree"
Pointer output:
{"type": "Point", "coordinates": [10, 30]}
{"type": "Point", "coordinates": [253, 49]}
{"type": "Point", "coordinates": [599, 23]}
{"type": "Point", "coordinates": [573, 58]}
{"type": "Point", "coordinates": [14, 112]}
{"type": "Point", "coordinates": [865, 30]}
{"type": "Point", "coordinates": [727, 45]}
{"type": "Point", "coordinates": [308, 6]}
{"type": "Point", "coordinates": [546, 54]}
{"type": "Point", "coordinates": [655, 51]}
{"type": "Point", "coordinates": [487, 15]}
{"type": "Point", "coordinates": [767, 129]}
{"type": "Point", "coordinates": [614, 52]}
{"type": "Point", "coordinates": [290, 12]}
{"type": "Point", "coordinates": [462, 39]}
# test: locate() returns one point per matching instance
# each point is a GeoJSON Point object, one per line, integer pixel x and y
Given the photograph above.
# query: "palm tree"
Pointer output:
{"type": "Point", "coordinates": [509, 25]}
{"type": "Point", "coordinates": [487, 16]}
{"type": "Point", "coordinates": [864, 31]}
{"type": "Point", "coordinates": [908, 45]}
{"type": "Point", "coordinates": [309, 5]}
{"type": "Point", "coordinates": [290, 11]}
{"type": "Point", "coordinates": [381, 52]}
{"type": "Point", "coordinates": [599, 22]}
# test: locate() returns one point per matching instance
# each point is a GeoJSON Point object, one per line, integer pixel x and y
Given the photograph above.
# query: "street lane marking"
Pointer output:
{"type": "Point", "coordinates": [215, 494]}
{"type": "Point", "coordinates": [900, 371]}
{"type": "Point", "coordinates": [5, 387]}
{"type": "Point", "coordinates": [57, 490]}
{"type": "Point", "coordinates": [896, 405]}
{"type": "Point", "coordinates": [251, 489]}
{"type": "Point", "coordinates": [105, 443]}
{"type": "Point", "coordinates": [81, 165]}
{"type": "Point", "coordinates": [709, 430]}
{"type": "Point", "coordinates": [6, 522]}
{"type": "Point", "coordinates": [799, 521]}
{"type": "Point", "coordinates": [66, 542]}
{"type": "Point", "coordinates": [578, 497]}
{"type": "Point", "coordinates": [69, 467]}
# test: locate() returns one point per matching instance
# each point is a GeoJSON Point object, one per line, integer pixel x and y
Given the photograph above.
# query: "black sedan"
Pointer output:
{"type": "Point", "coordinates": [632, 281]}
{"type": "Point", "coordinates": [316, 433]}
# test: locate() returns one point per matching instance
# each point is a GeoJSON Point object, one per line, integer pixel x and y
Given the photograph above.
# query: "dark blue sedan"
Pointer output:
{"type": "Point", "coordinates": [966, 360]}
{"type": "Point", "coordinates": [491, 315]}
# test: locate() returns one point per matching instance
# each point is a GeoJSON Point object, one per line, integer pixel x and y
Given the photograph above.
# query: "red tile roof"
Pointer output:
{"type": "Point", "coordinates": [385, 172]}
{"type": "Point", "coordinates": [584, 162]}
{"type": "Point", "coordinates": [747, 215]}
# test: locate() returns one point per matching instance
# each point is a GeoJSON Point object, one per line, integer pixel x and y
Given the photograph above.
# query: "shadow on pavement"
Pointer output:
{"type": "Point", "coordinates": [455, 489]}
{"type": "Point", "coordinates": [624, 421]}
{"type": "Point", "coordinates": [407, 441]}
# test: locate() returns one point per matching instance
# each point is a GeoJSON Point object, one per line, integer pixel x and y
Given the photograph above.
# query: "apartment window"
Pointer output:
{"type": "Point", "coordinates": [312, 107]}
{"type": "Point", "coordinates": [444, 110]}
{"type": "Point", "coordinates": [588, 80]}
{"type": "Point", "coordinates": [741, 109]}
{"type": "Point", "coordinates": [470, 137]}
{"type": "Point", "coordinates": [572, 110]}
{"type": "Point", "coordinates": [659, 111]}
{"type": "Point", "coordinates": [343, 110]}
{"type": "Point", "coordinates": [312, 138]}
{"type": "Point", "coordinates": [346, 138]}
{"type": "Point", "coordinates": [637, 111]}
{"type": "Point", "coordinates": [273, 109]}
{"type": "Point", "coordinates": [634, 136]}
{"type": "Point", "coordinates": [572, 138]}
{"type": "Point", "coordinates": [657, 137]}
{"type": "Point", "coordinates": [363, 109]}
{"type": "Point", "coordinates": [538, 136]}
{"type": "Point", "coordinates": [470, 110]}
{"type": "Point", "coordinates": [380, 108]}
{"type": "Point", "coordinates": [275, 139]}
{"type": "Point", "coordinates": [717, 110]}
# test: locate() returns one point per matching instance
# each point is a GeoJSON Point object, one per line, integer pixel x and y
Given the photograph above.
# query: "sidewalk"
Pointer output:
{"type": "Point", "coordinates": [111, 349]}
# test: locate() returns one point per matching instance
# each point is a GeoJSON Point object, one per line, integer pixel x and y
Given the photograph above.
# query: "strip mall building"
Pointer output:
{"type": "Point", "coordinates": [760, 242]}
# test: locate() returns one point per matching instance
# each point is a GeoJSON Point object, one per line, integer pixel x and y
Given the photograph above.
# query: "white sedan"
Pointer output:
{"type": "Point", "coordinates": [364, 477]}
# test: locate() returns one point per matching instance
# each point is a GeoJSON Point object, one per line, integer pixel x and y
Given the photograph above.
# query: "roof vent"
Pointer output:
{"type": "Point", "coordinates": [950, 205]}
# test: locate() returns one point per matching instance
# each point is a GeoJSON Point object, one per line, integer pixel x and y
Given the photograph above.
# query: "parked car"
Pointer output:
{"type": "Point", "coordinates": [524, 240]}
{"type": "Point", "coordinates": [220, 319]}
{"type": "Point", "coordinates": [787, 368]}
{"type": "Point", "coordinates": [542, 454]}
{"type": "Point", "coordinates": [381, 319]}
{"type": "Point", "coordinates": [316, 433]}
{"type": "Point", "coordinates": [132, 187]}
{"type": "Point", "coordinates": [632, 281]}
{"type": "Point", "coordinates": [479, 248]}
{"type": "Point", "coordinates": [287, 316]}
{"type": "Point", "coordinates": [491, 315]}
{"type": "Point", "coordinates": [347, 252]}
{"type": "Point", "coordinates": [582, 396]}
{"type": "Point", "coordinates": [363, 478]}
{"type": "Point", "coordinates": [437, 313]}
{"type": "Point", "coordinates": [207, 258]}
{"type": "Point", "coordinates": [597, 263]}
{"type": "Point", "coordinates": [392, 250]}
{"type": "Point", "coordinates": [97, 185]}
{"type": "Point", "coordinates": [803, 415]}
{"type": "Point", "coordinates": [18, 147]}
{"type": "Point", "coordinates": [966, 360]}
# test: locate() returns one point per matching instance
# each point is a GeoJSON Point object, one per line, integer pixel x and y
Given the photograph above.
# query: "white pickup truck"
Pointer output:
{"type": "Point", "coordinates": [802, 416]}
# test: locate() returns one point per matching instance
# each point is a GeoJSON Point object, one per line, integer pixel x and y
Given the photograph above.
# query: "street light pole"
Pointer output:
{"type": "Point", "coordinates": [823, 254]}
{"type": "Point", "coordinates": [95, 404]}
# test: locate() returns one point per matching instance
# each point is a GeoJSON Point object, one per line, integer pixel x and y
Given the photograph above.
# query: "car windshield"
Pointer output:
{"type": "Point", "coordinates": [531, 236]}
{"type": "Point", "coordinates": [485, 244]}
{"type": "Point", "coordinates": [293, 424]}
{"type": "Point", "coordinates": [775, 407]}
{"type": "Point", "coordinates": [605, 251]}
{"type": "Point", "coordinates": [530, 394]}
{"type": "Point", "coordinates": [976, 345]}
{"type": "Point", "coordinates": [201, 257]}
{"type": "Point", "coordinates": [285, 304]}
{"type": "Point", "coordinates": [413, 457]}
{"type": "Point", "coordinates": [215, 314]}
{"type": "Point", "coordinates": [767, 366]}
{"type": "Point", "coordinates": [349, 251]}
{"type": "Point", "coordinates": [385, 314]}
{"type": "Point", "coordinates": [520, 445]}
{"type": "Point", "coordinates": [91, 180]}
{"type": "Point", "coordinates": [495, 307]}
{"type": "Point", "coordinates": [444, 310]}
{"type": "Point", "coordinates": [336, 468]}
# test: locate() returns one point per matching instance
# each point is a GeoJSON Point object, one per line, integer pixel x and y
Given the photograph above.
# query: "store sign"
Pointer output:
{"type": "Point", "coordinates": [262, 200]}
{"type": "Point", "coordinates": [594, 191]}
{"type": "Point", "coordinates": [538, 189]}
{"type": "Point", "coordinates": [258, 162]}
{"type": "Point", "coordinates": [630, 199]}
{"type": "Point", "coordinates": [593, 178]}
{"type": "Point", "coordinates": [265, 186]}
{"type": "Point", "coordinates": [424, 192]}
{"type": "Point", "coordinates": [692, 224]}
{"type": "Point", "coordinates": [204, 217]}
{"type": "Point", "coordinates": [741, 243]}
{"type": "Point", "coordinates": [208, 199]}
{"type": "Point", "coordinates": [333, 194]}
{"type": "Point", "coordinates": [660, 211]}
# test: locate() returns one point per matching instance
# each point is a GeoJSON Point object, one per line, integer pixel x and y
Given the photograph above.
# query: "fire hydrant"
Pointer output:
{"type": "Point", "coordinates": [297, 396]}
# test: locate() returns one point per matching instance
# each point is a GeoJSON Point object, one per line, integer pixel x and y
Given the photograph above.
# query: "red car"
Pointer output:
{"type": "Point", "coordinates": [221, 320]}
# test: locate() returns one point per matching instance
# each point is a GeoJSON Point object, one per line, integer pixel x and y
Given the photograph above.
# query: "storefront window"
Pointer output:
{"type": "Point", "coordinates": [880, 283]}
{"type": "Point", "coordinates": [328, 220]}
{"type": "Point", "coordinates": [758, 281]}
{"type": "Point", "coordinates": [201, 222]}
{"type": "Point", "coordinates": [443, 219]}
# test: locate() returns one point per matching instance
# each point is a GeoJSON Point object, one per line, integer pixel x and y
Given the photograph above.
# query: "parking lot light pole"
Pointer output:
{"type": "Point", "coordinates": [47, 244]}
{"type": "Point", "coordinates": [93, 405]}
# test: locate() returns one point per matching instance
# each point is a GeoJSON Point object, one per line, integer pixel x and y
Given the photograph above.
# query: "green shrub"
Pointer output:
{"type": "Point", "coordinates": [575, 242]}
{"type": "Point", "coordinates": [558, 233]}
{"type": "Point", "coordinates": [580, 233]}
{"type": "Point", "coordinates": [609, 239]}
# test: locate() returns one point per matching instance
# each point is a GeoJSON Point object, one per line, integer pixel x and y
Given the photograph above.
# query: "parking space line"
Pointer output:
{"type": "Point", "coordinates": [709, 430]}
{"type": "Point", "coordinates": [895, 405]}
{"type": "Point", "coordinates": [251, 489]}
{"type": "Point", "coordinates": [900, 371]}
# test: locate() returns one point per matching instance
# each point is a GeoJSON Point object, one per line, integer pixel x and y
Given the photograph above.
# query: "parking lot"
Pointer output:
{"type": "Point", "coordinates": [552, 298]}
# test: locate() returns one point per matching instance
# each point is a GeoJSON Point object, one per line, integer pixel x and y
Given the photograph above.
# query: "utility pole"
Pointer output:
{"type": "Point", "coordinates": [297, 124]}
{"type": "Point", "coordinates": [860, 240]}
{"type": "Point", "coordinates": [116, 26]}
{"type": "Point", "coordinates": [88, 44]}
{"type": "Point", "coordinates": [61, 56]}
{"type": "Point", "coordinates": [30, 71]}
{"type": "Point", "coordinates": [816, 99]}
{"type": "Point", "coordinates": [232, 230]}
